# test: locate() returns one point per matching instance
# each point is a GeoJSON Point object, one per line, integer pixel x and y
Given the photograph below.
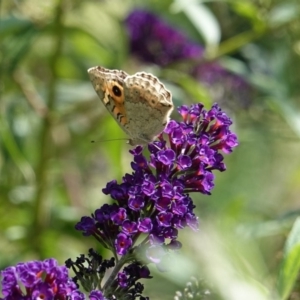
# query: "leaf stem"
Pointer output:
{"type": "Point", "coordinates": [40, 213]}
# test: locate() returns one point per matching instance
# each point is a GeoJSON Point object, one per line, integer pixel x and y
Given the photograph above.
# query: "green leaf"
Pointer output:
{"type": "Point", "coordinates": [14, 151]}
{"type": "Point", "coordinates": [291, 262]}
{"type": "Point", "coordinates": [17, 39]}
{"type": "Point", "coordinates": [202, 18]}
{"type": "Point", "coordinates": [245, 9]}
{"type": "Point", "coordinates": [11, 25]}
{"type": "Point", "coordinates": [284, 13]}
{"type": "Point", "coordinates": [287, 110]}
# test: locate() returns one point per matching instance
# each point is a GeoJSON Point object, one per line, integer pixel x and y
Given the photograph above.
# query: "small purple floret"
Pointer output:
{"type": "Point", "coordinates": [145, 225]}
{"type": "Point", "coordinates": [96, 295]}
{"type": "Point", "coordinates": [122, 279]}
{"type": "Point", "coordinates": [122, 243]}
{"type": "Point", "coordinates": [118, 216]}
{"type": "Point", "coordinates": [129, 228]}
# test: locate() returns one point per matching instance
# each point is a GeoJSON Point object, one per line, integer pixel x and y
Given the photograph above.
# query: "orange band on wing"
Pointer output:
{"type": "Point", "coordinates": [118, 109]}
{"type": "Point", "coordinates": [119, 113]}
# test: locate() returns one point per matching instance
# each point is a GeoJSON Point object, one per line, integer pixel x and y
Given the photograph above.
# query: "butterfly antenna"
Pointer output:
{"type": "Point", "coordinates": [108, 140]}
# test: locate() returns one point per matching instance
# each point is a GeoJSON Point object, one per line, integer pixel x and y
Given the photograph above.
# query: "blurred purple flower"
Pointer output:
{"type": "Point", "coordinates": [153, 40]}
{"type": "Point", "coordinates": [96, 295]}
{"type": "Point", "coordinates": [38, 280]}
{"type": "Point", "coordinates": [155, 198]}
{"type": "Point", "coordinates": [224, 86]}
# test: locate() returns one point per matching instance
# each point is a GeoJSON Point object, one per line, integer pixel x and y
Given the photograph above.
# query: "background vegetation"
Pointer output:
{"type": "Point", "coordinates": [51, 174]}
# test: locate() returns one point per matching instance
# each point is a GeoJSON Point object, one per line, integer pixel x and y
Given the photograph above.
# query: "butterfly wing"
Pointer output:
{"type": "Point", "coordinates": [148, 106]}
{"type": "Point", "coordinates": [108, 85]}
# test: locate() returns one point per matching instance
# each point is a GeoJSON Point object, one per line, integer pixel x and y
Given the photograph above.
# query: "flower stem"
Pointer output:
{"type": "Point", "coordinates": [115, 271]}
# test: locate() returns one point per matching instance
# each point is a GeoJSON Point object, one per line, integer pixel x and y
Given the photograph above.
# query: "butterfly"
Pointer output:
{"type": "Point", "coordinates": [139, 103]}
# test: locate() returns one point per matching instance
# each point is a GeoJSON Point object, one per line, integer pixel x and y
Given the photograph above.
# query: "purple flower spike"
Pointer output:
{"type": "Point", "coordinates": [154, 199]}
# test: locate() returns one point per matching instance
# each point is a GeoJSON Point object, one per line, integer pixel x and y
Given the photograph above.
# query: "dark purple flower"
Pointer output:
{"type": "Point", "coordinates": [122, 243]}
{"type": "Point", "coordinates": [164, 219]}
{"type": "Point", "coordinates": [86, 225]}
{"type": "Point", "coordinates": [117, 192]}
{"type": "Point", "coordinates": [129, 227]}
{"type": "Point", "coordinates": [184, 162]}
{"type": "Point", "coordinates": [179, 208]}
{"type": "Point", "coordinates": [145, 225]}
{"type": "Point", "coordinates": [77, 295]}
{"type": "Point", "coordinates": [148, 186]}
{"type": "Point", "coordinates": [122, 279]}
{"type": "Point", "coordinates": [144, 272]}
{"type": "Point", "coordinates": [128, 277]}
{"type": "Point", "coordinates": [42, 291]}
{"type": "Point", "coordinates": [154, 41]}
{"type": "Point", "coordinates": [163, 203]}
{"type": "Point", "coordinates": [136, 203]}
{"type": "Point", "coordinates": [96, 295]}
{"type": "Point", "coordinates": [41, 279]}
{"type": "Point", "coordinates": [119, 216]}
{"type": "Point", "coordinates": [103, 214]}
{"type": "Point", "coordinates": [167, 157]}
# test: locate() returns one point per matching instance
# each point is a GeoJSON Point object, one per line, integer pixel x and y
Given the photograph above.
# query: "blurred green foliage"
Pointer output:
{"type": "Point", "coordinates": [51, 174]}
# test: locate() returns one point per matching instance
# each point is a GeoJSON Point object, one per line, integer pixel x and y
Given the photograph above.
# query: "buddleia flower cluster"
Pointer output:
{"type": "Point", "coordinates": [39, 280]}
{"type": "Point", "coordinates": [150, 206]}
{"type": "Point", "coordinates": [153, 203]}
